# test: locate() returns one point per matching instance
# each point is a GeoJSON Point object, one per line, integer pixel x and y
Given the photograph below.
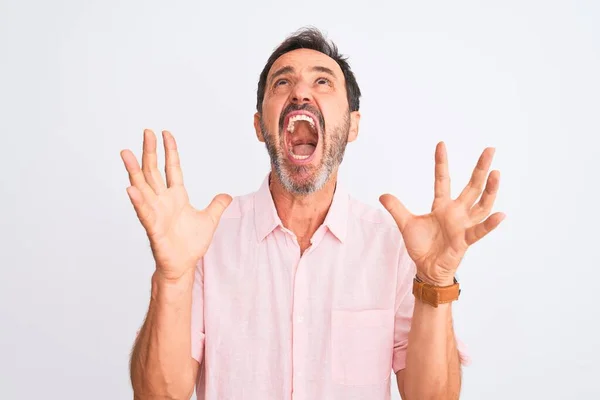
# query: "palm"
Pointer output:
{"type": "Point", "coordinates": [438, 241]}
{"type": "Point", "coordinates": [179, 234]}
{"type": "Point", "coordinates": [437, 237]}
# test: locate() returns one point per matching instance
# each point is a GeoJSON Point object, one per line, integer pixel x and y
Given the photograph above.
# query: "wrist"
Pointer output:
{"type": "Point", "coordinates": [440, 281]}
{"type": "Point", "coordinates": [167, 289]}
{"type": "Point", "coordinates": [435, 295]}
{"type": "Point", "coordinates": [165, 275]}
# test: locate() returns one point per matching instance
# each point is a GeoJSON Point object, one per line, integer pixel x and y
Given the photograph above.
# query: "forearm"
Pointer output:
{"type": "Point", "coordinates": [161, 363]}
{"type": "Point", "coordinates": [432, 360]}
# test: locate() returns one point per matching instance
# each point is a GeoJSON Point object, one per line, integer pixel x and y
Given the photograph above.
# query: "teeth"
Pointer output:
{"type": "Point", "coordinates": [300, 117]}
{"type": "Point", "coordinates": [298, 157]}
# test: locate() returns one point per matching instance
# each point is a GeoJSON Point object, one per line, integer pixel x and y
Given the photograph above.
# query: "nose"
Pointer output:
{"type": "Point", "coordinates": [301, 94]}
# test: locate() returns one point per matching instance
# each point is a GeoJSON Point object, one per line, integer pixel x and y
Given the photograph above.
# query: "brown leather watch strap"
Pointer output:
{"type": "Point", "coordinates": [435, 295]}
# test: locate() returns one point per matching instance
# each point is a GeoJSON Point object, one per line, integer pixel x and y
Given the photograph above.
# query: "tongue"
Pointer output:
{"type": "Point", "coordinates": [303, 135]}
{"type": "Point", "coordinates": [303, 149]}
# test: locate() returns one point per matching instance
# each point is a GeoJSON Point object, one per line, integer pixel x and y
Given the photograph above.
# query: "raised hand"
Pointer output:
{"type": "Point", "coordinates": [437, 241]}
{"type": "Point", "coordinates": [179, 234]}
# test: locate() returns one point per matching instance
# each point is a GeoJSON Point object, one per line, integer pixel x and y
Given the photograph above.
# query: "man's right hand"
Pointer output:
{"type": "Point", "coordinates": [179, 234]}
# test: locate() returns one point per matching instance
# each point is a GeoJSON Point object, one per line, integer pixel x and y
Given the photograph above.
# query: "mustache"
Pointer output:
{"type": "Point", "coordinates": [305, 107]}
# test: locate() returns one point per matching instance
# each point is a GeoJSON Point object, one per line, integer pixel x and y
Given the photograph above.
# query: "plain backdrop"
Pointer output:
{"type": "Point", "coordinates": [80, 80]}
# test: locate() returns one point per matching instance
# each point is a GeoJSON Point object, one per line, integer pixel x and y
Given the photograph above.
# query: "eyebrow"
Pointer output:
{"type": "Point", "coordinates": [289, 69]}
{"type": "Point", "coordinates": [281, 71]}
{"type": "Point", "coordinates": [325, 70]}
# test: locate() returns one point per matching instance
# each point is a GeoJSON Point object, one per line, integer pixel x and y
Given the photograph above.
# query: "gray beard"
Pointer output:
{"type": "Point", "coordinates": [334, 147]}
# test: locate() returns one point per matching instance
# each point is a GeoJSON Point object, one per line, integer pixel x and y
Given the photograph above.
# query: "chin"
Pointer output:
{"type": "Point", "coordinates": [302, 180]}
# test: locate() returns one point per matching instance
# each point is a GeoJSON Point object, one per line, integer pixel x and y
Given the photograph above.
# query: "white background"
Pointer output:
{"type": "Point", "coordinates": [79, 80]}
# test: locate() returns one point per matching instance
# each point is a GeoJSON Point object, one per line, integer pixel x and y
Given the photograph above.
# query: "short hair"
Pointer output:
{"type": "Point", "coordinates": [311, 38]}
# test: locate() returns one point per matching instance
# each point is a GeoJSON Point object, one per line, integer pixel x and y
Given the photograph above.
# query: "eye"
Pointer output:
{"type": "Point", "coordinates": [323, 81]}
{"type": "Point", "coordinates": [280, 82]}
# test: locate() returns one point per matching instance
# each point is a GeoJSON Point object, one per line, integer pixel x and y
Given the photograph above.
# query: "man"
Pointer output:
{"type": "Point", "coordinates": [298, 291]}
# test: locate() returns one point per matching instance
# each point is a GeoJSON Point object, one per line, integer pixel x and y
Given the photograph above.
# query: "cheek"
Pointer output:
{"type": "Point", "coordinates": [334, 118]}
{"type": "Point", "coordinates": [333, 109]}
{"type": "Point", "coordinates": [271, 113]}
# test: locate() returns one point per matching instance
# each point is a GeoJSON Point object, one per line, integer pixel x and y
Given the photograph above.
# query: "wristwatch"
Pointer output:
{"type": "Point", "coordinates": [435, 295]}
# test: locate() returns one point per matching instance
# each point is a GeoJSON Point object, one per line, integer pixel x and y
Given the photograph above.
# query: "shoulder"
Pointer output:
{"type": "Point", "coordinates": [237, 218]}
{"type": "Point", "coordinates": [369, 220]}
{"type": "Point", "coordinates": [240, 206]}
{"type": "Point", "coordinates": [236, 226]}
{"type": "Point", "coordinates": [369, 215]}
{"type": "Point", "coordinates": [374, 234]}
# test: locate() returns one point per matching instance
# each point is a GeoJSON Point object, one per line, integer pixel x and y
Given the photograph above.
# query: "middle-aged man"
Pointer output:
{"type": "Point", "coordinates": [298, 291]}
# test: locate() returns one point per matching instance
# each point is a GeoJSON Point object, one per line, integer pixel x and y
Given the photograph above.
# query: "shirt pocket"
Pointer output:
{"type": "Point", "coordinates": [362, 344]}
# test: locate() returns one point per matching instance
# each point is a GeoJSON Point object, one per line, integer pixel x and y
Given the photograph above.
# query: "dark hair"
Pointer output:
{"type": "Point", "coordinates": [313, 39]}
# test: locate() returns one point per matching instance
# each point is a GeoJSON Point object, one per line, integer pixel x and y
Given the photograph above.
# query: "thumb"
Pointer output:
{"type": "Point", "coordinates": [396, 208]}
{"type": "Point", "coordinates": [216, 207]}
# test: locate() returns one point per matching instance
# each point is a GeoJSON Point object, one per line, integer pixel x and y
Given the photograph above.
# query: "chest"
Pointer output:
{"type": "Point", "coordinates": [319, 318]}
{"type": "Point", "coordinates": [267, 281]}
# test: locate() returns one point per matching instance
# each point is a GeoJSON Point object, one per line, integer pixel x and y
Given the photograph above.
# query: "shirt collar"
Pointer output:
{"type": "Point", "coordinates": [265, 214]}
{"type": "Point", "coordinates": [336, 219]}
{"type": "Point", "coordinates": [267, 220]}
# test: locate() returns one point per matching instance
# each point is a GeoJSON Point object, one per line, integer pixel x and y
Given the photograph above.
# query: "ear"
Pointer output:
{"type": "Point", "coordinates": [257, 129]}
{"type": "Point", "coordinates": [354, 121]}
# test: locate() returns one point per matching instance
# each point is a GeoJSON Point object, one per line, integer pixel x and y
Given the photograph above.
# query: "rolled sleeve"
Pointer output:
{"type": "Point", "coordinates": [405, 302]}
{"type": "Point", "coordinates": [198, 313]}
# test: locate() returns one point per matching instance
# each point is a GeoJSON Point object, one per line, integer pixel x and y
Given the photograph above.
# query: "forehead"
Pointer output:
{"type": "Point", "coordinates": [301, 59]}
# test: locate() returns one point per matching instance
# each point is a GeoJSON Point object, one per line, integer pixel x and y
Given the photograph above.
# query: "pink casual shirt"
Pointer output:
{"type": "Point", "coordinates": [332, 323]}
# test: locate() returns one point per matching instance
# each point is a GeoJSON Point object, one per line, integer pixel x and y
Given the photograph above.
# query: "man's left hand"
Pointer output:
{"type": "Point", "coordinates": [437, 241]}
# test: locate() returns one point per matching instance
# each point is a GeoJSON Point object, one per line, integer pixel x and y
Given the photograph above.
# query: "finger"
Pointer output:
{"type": "Point", "coordinates": [216, 207]}
{"type": "Point", "coordinates": [442, 175]}
{"type": "Point", "coordinates": [473, 189]}
{"type": "Point", "coordinates": [149, 167]}
{"type": "Point", "coordinates": [397, 209]}
{"type": "Point", "coordinates": [475, 233]}
{"type": "Point", "coordinates": [485, 204]}
{"type": "Point", "coordinates": [143, 210]}
{"type": "Point", "coordinates": [172, 164]}
{"type": "Point", "coordinates": [136, 177]}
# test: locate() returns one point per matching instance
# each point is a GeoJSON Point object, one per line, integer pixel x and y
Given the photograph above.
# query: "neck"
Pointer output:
{"type": "Point", "coordinates": [302, 214]}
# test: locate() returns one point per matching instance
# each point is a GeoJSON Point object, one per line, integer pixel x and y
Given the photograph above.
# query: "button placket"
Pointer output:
{"type": "Point", "coordinates": [299, 325]}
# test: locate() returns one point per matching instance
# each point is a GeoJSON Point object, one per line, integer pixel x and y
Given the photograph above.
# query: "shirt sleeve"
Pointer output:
{"type": "Point", "coordinates": [404, 310]}
{"type": "Point", "coordinates": [198, 313]}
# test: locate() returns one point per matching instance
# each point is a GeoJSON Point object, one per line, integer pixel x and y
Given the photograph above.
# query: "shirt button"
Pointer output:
{"type": "Point", "coordinates": [300, 319]}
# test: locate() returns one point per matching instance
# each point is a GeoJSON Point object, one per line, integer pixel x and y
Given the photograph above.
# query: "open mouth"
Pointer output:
{"type": "Point", "coordinates": [301, 136]}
